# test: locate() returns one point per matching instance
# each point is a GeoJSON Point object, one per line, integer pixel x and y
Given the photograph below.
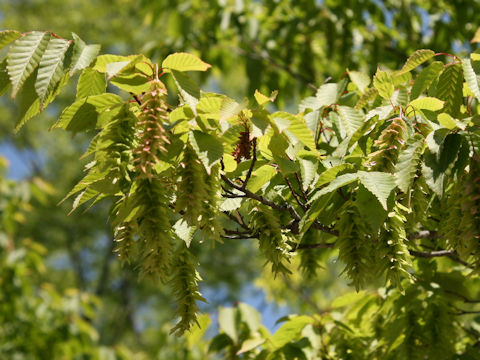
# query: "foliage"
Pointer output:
{"type": "Point", "coordinates": [388, 171]}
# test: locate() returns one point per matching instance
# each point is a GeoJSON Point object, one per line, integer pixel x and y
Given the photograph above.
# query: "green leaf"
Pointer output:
{"type": "Point", "coordinates": [188, 89]}
{"type": "Point", "coordinates": [416, 59]}
{"type": "Point", "coordinates": [348, 299]}
{"type": "Point", "coordinates": [250, 344]}
{"type": "Point", "coordinates": [289, 331]}
{"type": "Point", "coordinates": [4, 79]}
{"type": "Point", "coordinates": [184, 231]}
{"type": "Point", "coordinates": [208, 148]}
{"type": "Point", "coordinates": [102, 62]}
{"type": "Point", "coordinates": [198, 330]}
{"type": "Point", "coordinates": [263, 99]}
{"type": "Point", "coordinates": [331, 173]}
{"type": "Point", "coordinates": [449, 88]}
{"type": "Point", "coordinates": [227, 322]}
{"type": "Point", "coordinates": [361, 80]}
{"type": "Point", "coordinates": [425, 78]}
{"type": "Point", "coordinates": [437, 168]}
{"type": "Point", "coordinates": [298, 127]}
{"type": "Point", "coordinates": [83, 113]}
{"type": "Point", "coordinates": [351, 119]}
{"type": "Point", "coordinates": [326, 95]}
{"type": "Point", "coordinates": [379, 184]}
{"type": "Point", "coordinates": [91, 82]}
{"type": "Point", "coordinates": [426, 103]}
{"type": "Point", "coordinates": [230, 108]}
{"type": "Point", "coordinates": [372, 211]}
{"type": "Point", "coordinates": [83, 54]}
{"type": "Point", "coordinates": [250, 316]}
{"type": "Point", "coordinates": [408, 161]}
{"type": "Point", "coordinates": [184, 62]}
{"type": "Point", "coordinates": [337, 183]}
{"type": "Point", "coordinates": [24, 56]}
{"type": "Point", "coordinates": [7, 37]}
{"type": "Point", "coordinates": [134, 83]}
{"type": "Point", "coordinates": [382, 81]}
{"type": "Point", "coordinates": [50, 68]}
{"type": "Point", "coordinates": [471, 78]}
{"type": "Point", "coordinates": [260, 177]}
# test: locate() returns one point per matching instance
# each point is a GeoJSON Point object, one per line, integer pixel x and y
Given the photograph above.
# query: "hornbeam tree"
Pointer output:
{"type": "Point", "coordinates": [384, 171]}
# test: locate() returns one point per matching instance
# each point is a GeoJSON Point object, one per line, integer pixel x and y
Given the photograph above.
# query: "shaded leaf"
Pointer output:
{"type": "Point", "coordinates": [91, 82]}
{"type": "Point", "coordinates": [426, 78]}
{"type": "Point", "coordinates": [449, 88]}
{"type": "Point", "coordinates": [382, 81]}
{"type": "Point", "coordinates": [351, 119]}
{"type": "Point", "coordinates": [471, 77]}
{"type": "Point", "coordinates": [7, 37]}
{"type": "Point", "coordinates": [379, 184]}
{"type": "Point", "coordinates": [208, 148]}
{"type": "Point", "coordinates": [83, 54]}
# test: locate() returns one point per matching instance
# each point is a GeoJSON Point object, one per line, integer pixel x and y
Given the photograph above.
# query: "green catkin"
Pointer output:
{"type": "Point", "coordinates": [155, 230]}
{"type": "Point", "coordinates": [152, 138]}
{"type": "Point", "coordinates": [355, 250]}
{"type": "Point", "coordinates": [209, 223]}
{"type": "Point", "coordinates": [461, 228]}
{"type": "Point", "coordinates": [192, 189]}
{"type": "Point", "coordinates": [393, 252]}
{"type": "Point", "coordinates": [273, 244]}
{"type": "Point", "coordinates": [184, 283]}
{"type": "Point", "coordinates": [124, 242]}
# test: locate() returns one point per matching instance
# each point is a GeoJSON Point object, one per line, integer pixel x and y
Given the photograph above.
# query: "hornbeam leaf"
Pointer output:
{"type": "Point", "coordinates": [416, 59]}
{"type": "Point", "coordinates": [4, 80]}
{"type": "Point", "coordinates": [384, 84]}
{"type": "Point", "coordinates": [184, 62]}
{"type": "Point", "coordinates": [408, 161]}
{"type": "Point", "coordinates": [260, 177]}
{"type": "Point", "coordinates": [379, 184]}
{"type": "Point", "coordinates": [425, 78]}
{"type": "Point", "coordinates": [91, 82]}
{"type": "Point", "coordinates": [83, 54]}
{"type": "Point", "coordinates": [189, 91]}
{"type": "Point", "coordinates": [449, 88]}
{"type": "Point", "coordinates": [289, 331]}
{"type": "Point", "coordinates": [24, 56]}
{"type": "Point", "coordinates": [83, 113]}
{"type": "Point", "coordinates": [298, 127]}
{"type": "Point", "coordinates": [50, 68]}
{"type": "Point", "coordinates": [351, 119]}
{"type": "Point", "coordinates": [7, 37]}
{"type": "Point", "coordinates": [208, 148]}
{"type": "Point", "coordinates": [361, 80]}
{"type": "Point", "coordinates": [426, 103]}
{"type": "Point", "coordinates": [471, 77]}
{"type": "Point", "coordinates": [230, 108]}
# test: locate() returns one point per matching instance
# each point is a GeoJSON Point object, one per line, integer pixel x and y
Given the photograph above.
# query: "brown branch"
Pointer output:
{"type": "Point", "coordinates": [252, 164]}
{"type": "Point", "coordinates": [432, 254]}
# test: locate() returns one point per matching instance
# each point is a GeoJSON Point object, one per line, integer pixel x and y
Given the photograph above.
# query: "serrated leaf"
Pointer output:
{"type": "Point", "coordinates": [425, 78]}
{"type": "Point", "coordinates": [83, 54]}
{"type": "Point", "coordinates": [289, 331]}
{"type": "Point", "coordinates": [187, 88]}
{"type": "Point", "coordinates": [103, 61]}
{"type": "Point", "coordinates": [230, 204]}
{"type": "Point", "coordinates": [209, 148]}
{"type": "Point", "coordinates": [133, 83]}
{"type": "Point", "coordinates": [348, 299]}
{"type": "Point", "coordinates": [4, 79]}
{"type": "Point", "coordinates": [471, 77]}
{"type": "Point", "coordinates": [416, 59]}
{"type": "Point", "coordinates": [83, 113]}
{"type": "Point", "coordinates": [361, 80]}
{"type": "Point", "coordinates": [298, 127]}
{"type": "Point", "coordinates": [379, 184]}
{"type": "Point", "coordinates": [382, 81]}
{"type": "Point", "coordinates": [29, 102]}
{"type": "Point", "coordinates": [250, 344]}
{"type": "Point", "coordinates": [50, 68]}
{"type": "Point", "coordinates": [368, 95]}
{"type": "Point", "coordinates": [184, 62]}
{"type": "Point", "coordinates": [408, 161]}
{"type": "Point", "coordinates": [351, 119]}
{"type": "Point", "coordinates": [7, 37]}
{"type": "Point", "coordinates": [260, 177]}
{"type": "Point", "coordinates": [24, 56]}
{"type": "Point", "coordinates": [230, 108]}
{"type": "Point", "coordinates": [90, 82]}
{"type": "Point", "coordinates": [335, 184]}
{"type": "Point", "coordinates": [426, 103]}
{"type": "Point", "coordinates": [250, 316]}
{"type": "Point", "coordinates": [449, 88]}
{"type": "Point", "coordinates": [308, 170]}
{"type": "Point", "coordinates": [184, 231]}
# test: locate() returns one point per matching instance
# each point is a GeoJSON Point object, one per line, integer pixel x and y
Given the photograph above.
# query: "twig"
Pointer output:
{"type": "Point", "coordinates": [304, 195]}
{"type": "Point", "coordinates": [295, 195]}
{"type": "Point", "coordinates": [252, 164]}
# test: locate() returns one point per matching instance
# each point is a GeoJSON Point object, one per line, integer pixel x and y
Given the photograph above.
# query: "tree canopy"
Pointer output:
{"type": "Point", "coordinates": [369, 176]}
